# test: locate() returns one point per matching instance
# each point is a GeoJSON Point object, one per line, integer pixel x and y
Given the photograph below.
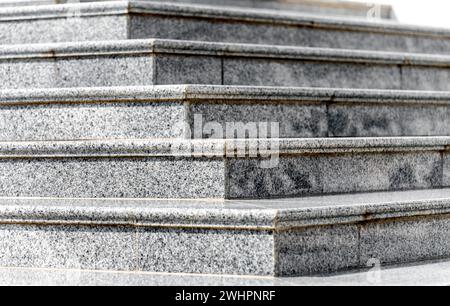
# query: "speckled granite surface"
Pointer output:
{"type": "Point", "coordinates": [99, 177]}
{"type": "Point", "coordinates": [211, 169]}
{"type": "Point", "coordinates": [169, 112]}
{"type": "Point", "coordinates": [161, 62]}
{"type": "Point", "coordinates": [163, 20]}
{"type": "Point", "coordinates": [261, 237]}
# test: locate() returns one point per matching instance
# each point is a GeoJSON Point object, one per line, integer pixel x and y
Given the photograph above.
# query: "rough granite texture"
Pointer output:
{"type": "Point", "coordinates": [206, 251]}
{"type": "Point", "coordinates": [112, 178]}
{"type": "Point", "coordinates": [287, 237]}
{"type": "Point", "coordinates": [72, 247]}
{"type": "Point", "coordinates": [91, 121]}
{"type": "Point", "coordinates": [122, 19]}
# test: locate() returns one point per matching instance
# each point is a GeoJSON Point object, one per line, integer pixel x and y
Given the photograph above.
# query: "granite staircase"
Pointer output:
{"type": "Point", "coordinates": [171, 137]}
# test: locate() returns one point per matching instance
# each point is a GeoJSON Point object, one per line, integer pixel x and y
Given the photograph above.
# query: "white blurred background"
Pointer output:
{"type": "Point", "coordinates": [424, 12]}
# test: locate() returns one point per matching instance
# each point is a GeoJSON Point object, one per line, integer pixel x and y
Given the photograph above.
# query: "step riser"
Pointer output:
{"type": "Point", "coordinates": [219, 25]}
{"type": "Point", "coordinates": [112, 178]}
{"type": "Point", "coordinates": [279, 34]}
{"type": "Point", "coordinates": [366, 245]}
{"type": "Point", "coordinates": [341, 173]}
{"type": "Point", "coordinates": [131, 249]}
{"type": "Point", "coordinates": [161, 177]}
{"type": "Point", "coordinates": [167, 119]}
{"type": "Point", "coordinates": [180, 69]}
{"type": "Point", "coordinates": [92, 121]}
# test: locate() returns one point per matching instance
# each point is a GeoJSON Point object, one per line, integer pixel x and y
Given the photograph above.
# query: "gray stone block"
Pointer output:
{"type": "Point", "coordinates": [91, 121]}
{"type": "Point", "coordinates": [262, 72]}
{"type": "Point", "coordinates": [176, 69]}
{"type": "Point", "coordinates": [371, 172]}
{"type": "Point", "coordinates": [345, 120]}
{"type": "Point", "coordinates": [305, 175]}
{"type": "Point", "coordinates": [296, 120]}
{"type": "Point", "coordinates": [206, 251]}
{"type": "Point", "coordinates": [62, 29]}
{"type": "Point", "coordinates": [316, 250]}
{"type": "Point", "coordinates": [294, 176]}
{"type": "Point", "coordinates": [129, 177]}
{"type": "Point", "coordinates": [410, 240]}
{"type": "Point", "coordinates": [69, 247]}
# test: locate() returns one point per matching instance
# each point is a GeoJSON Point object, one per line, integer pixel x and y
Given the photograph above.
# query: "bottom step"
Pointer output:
{"type": "Point", "coordinates": [286, 237]}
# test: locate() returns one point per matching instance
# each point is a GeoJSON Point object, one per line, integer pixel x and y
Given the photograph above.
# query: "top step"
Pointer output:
{"type": "Point", "coordinates": [322, 7]}
{"type": "Point", "coordinates": [147, 19]}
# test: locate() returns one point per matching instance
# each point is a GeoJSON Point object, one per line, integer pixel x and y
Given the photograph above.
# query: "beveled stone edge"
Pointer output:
{"type": "Point", "coordinates": [222, 217]}
{"type": "Point", "coordinates": [218, 94]}
{"type": "Point", "coordinates": [136, 215]}
{"type": "Point", "coordinates": [142, 47]}
{"type": "Point", "coordinates": [218, 148]}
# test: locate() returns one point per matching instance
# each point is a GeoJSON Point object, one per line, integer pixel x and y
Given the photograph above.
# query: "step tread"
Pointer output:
{"type": "Point", "coordinates": [194, 93]}
{"type": "Point", "coordinates": [275, 214]}
{"type": "Point", "coordinates": [220, 147]}
{"type": "Point", "coordinates": [184, 47]}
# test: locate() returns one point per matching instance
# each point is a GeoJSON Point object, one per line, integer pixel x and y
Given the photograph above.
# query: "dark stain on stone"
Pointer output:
{"type": "Point", "coordinates": [403, 178]}
{"type": "Point", "coordinates": [300, 179]}
{"type": "Point", "coordinates": [252, 175]}
{"type": "Point", "coordinates": [338, 123]}
{"type": "Point", "coordinates": [260, 186]}
{"type": "Point", "coordinates": [435, 176]}
{"type": "Point", "coordinates": [309, 125]}
{"type": "Point", "coordinates": [370, 123]}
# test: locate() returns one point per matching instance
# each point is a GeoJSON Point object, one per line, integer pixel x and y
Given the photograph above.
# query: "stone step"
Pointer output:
{"type": "Point", "coordinates": [322, 7]}
{"type": "Point", "coordinates": [288, 237]}
{"type": "Point", "coordinates": [201, 111]}
{"type": "Point", "coordinates": [221, 168]}
{"type": "Point", "coordinates": [159, 62]}
{"type": "Point", "coordinates": [120, 20]}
